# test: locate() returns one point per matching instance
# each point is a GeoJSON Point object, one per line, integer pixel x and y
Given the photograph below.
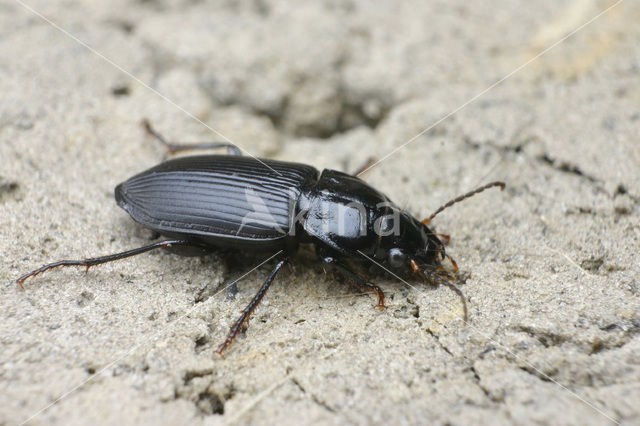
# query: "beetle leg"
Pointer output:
{"type": "Point", "coordinates": [453, 262]}
{"type": "Point", "coordinates": [104, 259]}
{"type": "Point", "coordinates": [445, 237]}
{"type": "Point", "coordinates": [246, 312]}
{"type": "Point", "coordinates": [172, 148]}
{"type": "Point", "coordinates": [355, 279]}
{"type": "Point", "coordinates": [366, 166]}
{"type": "Point", "coordinates": [438, 279]}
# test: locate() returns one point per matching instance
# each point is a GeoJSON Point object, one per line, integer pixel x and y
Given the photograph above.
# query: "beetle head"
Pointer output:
{"type": "Point", "coordinates": [410, 244]}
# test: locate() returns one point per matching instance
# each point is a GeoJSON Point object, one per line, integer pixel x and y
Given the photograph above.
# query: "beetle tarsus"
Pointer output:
{"type": "Point", "coordinates": [246, 312]}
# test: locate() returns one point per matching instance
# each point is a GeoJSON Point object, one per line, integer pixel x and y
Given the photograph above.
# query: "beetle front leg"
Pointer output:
{"type": "Point", "coordinates": [172, 147]}
{"type": "Point", "coordinates": [355, 279]}
{"type": "Point", "coordinates": [246, 312]}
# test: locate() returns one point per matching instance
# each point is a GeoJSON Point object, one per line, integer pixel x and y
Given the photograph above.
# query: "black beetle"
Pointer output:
{"type": "Point", "coordinates": [236, 202]}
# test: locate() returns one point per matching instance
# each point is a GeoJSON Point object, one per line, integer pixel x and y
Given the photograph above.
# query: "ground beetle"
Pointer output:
{"type": "Point", "coordinates": [236, 202]}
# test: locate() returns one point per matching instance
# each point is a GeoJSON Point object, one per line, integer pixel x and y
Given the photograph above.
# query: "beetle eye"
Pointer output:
{"type": "Point", "coordinates": [396, 258]}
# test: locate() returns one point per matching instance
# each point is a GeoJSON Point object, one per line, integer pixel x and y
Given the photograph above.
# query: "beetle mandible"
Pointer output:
{"type": "Point", "coordinates": [237, 202]}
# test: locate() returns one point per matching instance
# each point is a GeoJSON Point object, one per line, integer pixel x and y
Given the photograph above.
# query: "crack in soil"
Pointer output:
{"type": "Point", "coordinates": [314, 398]}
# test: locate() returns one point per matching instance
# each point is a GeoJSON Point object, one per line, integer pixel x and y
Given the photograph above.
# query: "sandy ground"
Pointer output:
{"type": "Point", "coordinates": [549, 266]}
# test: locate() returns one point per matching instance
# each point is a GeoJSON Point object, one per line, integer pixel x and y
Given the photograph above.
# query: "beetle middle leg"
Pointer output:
{"type": "Point", "coordinates": [246, 312]}
{"type": "Point", "coordinates": [172, 147]}
{"type": "Point", "coordinates": [355, 279]}
{"type": "Point", "coordinates": [108, 258]}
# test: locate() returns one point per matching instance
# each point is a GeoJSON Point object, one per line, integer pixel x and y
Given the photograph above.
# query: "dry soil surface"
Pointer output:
{"type": "Point", "coordinates": [549, 266]}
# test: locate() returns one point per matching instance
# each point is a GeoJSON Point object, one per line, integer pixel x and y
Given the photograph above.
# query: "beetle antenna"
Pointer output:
{"type": "Point", "coordinates": [463, 197]}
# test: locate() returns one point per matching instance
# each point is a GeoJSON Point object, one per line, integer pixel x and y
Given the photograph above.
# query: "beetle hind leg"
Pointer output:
{"type": "Point", "coordinates": [87, 263]}
{"type": "Point", "coordinates": [173, 148]}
